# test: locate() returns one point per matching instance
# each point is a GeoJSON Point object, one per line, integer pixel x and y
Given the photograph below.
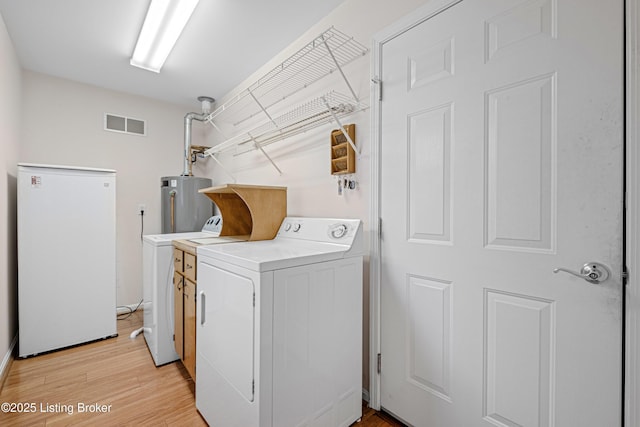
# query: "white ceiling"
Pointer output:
{"type": "Point", "coordinates": [91, 41]}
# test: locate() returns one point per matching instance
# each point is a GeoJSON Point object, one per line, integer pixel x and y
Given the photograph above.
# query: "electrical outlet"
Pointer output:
{"type": "Point", "coordinates": [141, 209]}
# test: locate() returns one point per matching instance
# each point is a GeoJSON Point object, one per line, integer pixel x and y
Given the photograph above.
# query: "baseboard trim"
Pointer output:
{"type": "Point", "coordinates": [365, 395]}
{"type": "Point", "coordinates": [7, 360]}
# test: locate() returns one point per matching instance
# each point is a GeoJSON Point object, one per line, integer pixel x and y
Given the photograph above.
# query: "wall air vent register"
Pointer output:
{"type": "Point", "coordinates": [123, 124]}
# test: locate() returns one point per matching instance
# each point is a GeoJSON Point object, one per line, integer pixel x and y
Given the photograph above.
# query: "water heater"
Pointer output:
{"type": "Point", "coordinates": [183, 209]}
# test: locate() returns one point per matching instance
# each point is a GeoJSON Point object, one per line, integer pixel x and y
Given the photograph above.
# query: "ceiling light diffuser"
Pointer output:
{"type": "Point", "coordinates": [162, 26]}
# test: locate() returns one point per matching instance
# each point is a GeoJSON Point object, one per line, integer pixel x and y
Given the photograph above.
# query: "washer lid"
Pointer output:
{"type": "Point", "coordinates": [166, 239]}
{"type": "Point", "coordinates": [299, 241]}
{"type": "Point", "coordinates": [267, 255]}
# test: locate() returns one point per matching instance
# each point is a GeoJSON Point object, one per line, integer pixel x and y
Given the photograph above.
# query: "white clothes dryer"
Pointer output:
{"type": "Point", "coordinates": [279, 327]}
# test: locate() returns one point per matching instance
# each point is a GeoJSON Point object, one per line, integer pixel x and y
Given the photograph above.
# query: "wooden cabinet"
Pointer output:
{"type": "Point", "coordinates": [178, 260]}
{"type": "Point", "coordinates": [189, 312]}
{"type": "Point", "coordinates": [343, 157]}
{"type": "Point", "coordinates": [178, 323]}
{"type": "Point", "coordinates": [184, 300]}
{"type": "Point", "coordinates": [190, 266]}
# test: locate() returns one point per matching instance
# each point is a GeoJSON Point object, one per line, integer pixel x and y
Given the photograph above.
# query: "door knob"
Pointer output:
{"type": "Point", "coordinates": [592, 272]}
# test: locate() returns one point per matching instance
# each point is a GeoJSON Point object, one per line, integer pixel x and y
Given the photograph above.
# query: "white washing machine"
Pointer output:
{"type": "Point", "coordinates": [157, 286]}
{"type": "Point", "coordinates": [279, 327]}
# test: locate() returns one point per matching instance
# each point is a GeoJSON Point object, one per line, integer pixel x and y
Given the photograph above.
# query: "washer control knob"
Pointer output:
{"type": "Point", "coordinates": [296, 227]}
{"type": "Point", "coordinates": [287, 226]}
{"type": "Point", "coordinates": [338, 231]}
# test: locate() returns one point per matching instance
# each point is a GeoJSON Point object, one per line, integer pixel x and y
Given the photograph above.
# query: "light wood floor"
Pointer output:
{"type": "Point", "coordinates": [118, 373]}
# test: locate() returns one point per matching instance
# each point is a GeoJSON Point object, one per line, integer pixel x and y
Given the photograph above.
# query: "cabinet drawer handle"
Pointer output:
{"type": "Point", "coordinates": [177, 260]}
{"type": "Point", "coordinates": [189, 266]}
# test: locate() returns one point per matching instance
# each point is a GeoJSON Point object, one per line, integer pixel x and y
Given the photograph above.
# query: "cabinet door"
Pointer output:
{"type": "Point", "coordinates": [189, 358]}
{"type": "Point", "coordinates": [178, 284]}
{"type": "Point", "coordinates": [190, 266]}
{"type": "Point", "coordinates": [178, 257]}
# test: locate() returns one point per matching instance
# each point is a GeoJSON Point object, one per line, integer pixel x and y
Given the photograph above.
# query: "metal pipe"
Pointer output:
{"type": "Point", "coordinates": [188, 118]}
{"type": "Point", "coordinates": [187, 140]}
{"type": "Point", "coordinates": [172, 209]}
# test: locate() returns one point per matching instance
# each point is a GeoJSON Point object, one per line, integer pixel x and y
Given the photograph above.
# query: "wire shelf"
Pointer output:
{"type": "Point", "coordinates": [252, 110]}
{"type": "Point", "coordinates": [319, 58]}
{"type": "Point", "coordinates": [314, 113]}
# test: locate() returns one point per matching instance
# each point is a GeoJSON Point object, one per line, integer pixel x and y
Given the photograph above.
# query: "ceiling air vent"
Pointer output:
{"type": "Point", "coordinates": [125, 124]}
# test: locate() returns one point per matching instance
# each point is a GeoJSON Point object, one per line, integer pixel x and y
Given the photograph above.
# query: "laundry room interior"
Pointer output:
{"type": "Point", "coordinates": [339, 268]}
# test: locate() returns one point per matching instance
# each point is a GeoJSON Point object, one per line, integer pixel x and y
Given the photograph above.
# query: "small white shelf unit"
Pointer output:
{"type": "Point", "coordinates": [256, 112]}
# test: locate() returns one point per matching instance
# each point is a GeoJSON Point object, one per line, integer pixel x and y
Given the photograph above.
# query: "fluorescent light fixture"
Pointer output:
{"type": "Point", "coordinates": [162, 26]}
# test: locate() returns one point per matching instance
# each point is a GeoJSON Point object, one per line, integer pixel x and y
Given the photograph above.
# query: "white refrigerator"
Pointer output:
{"type": "Point", "coordinates": [66, 256]}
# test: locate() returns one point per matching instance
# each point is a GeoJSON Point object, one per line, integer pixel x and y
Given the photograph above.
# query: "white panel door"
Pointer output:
{"type": "Point", "coordinates": [501, 160]}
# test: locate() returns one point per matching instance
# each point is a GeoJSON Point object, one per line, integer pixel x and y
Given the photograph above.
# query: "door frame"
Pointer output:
{"type": "Point", "coordinates": [632, 182]}
{"type": "Point", "coordinates": [632, 221]}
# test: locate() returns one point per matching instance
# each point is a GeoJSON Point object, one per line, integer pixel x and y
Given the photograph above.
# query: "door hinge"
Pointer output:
{"type": "Point", "coordinates": [379, 83]}
{"type": "Point", "coordinates": [625, 275]}
{"type": "Point", "coordinates": [254, 299]}
{"type": "Point", "coordinates": [174, 337]}
{"type": "Point", "coordinates": [379, 362]}
{"type": "Point", "coordinates": [380, 228]}
{"type": "Point", "coordinates": [253, 387]}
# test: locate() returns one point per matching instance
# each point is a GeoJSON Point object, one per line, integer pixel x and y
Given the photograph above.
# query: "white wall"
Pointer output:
{"type": "Point", "coordinates": [10, 105]}
{"type": "Point", "coordinates": [304, 159]}
{"type": "Point", "coordinates": [64, 124]}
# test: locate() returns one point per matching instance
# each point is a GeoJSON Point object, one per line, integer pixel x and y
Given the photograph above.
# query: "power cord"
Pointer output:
{"type": "Point", "coordinates": [127, 315]}
{"type": "Point", "coordinates": [141, 223]}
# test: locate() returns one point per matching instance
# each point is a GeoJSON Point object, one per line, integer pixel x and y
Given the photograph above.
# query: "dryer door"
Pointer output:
{"type": "Point", "coordinates": [225, 332]}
